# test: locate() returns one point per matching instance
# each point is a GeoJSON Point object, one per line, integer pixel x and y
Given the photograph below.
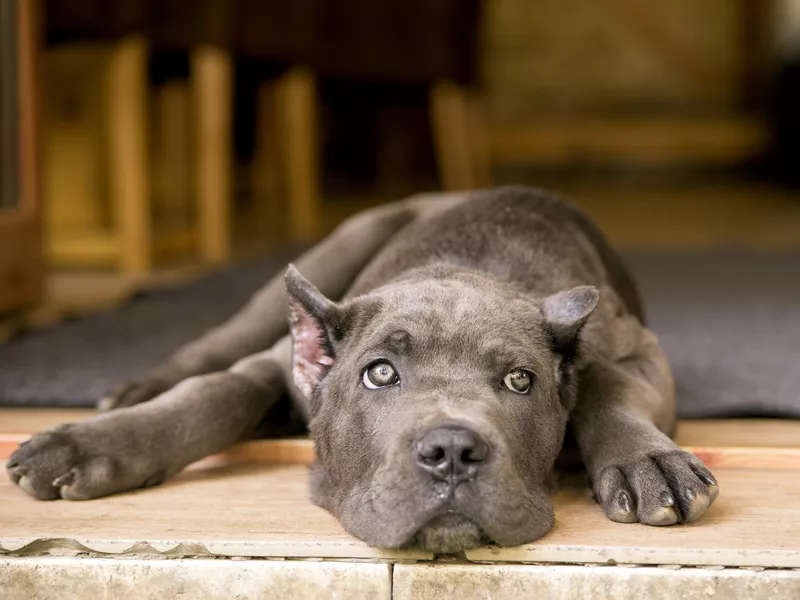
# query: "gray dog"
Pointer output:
{"type": "Point", "coordinates": [441, 349]}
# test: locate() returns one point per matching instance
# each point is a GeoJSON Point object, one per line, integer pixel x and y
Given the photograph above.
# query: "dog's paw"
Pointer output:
{"type": "Point", "coordinates": [656, 489]}
{"type": "Point", "coordinates": [132, 394]}
{"type": "Point", "coordinates": [56, 464]}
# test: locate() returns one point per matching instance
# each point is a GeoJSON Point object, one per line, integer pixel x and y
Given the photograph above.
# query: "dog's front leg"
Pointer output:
{"type": "Point", "coordinates": [621, 421]}
{"type": "Point", "coordinates": [143, 445]}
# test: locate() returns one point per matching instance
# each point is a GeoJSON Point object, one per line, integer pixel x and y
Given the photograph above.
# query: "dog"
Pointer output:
{"type": "Point", "coordinates": [443, 351]}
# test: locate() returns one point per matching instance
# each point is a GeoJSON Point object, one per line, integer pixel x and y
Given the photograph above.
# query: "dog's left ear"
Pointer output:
{"type": "Point", "coordinates": [566, 313]}
{"type": "Point", "coordinates": [310, 312]}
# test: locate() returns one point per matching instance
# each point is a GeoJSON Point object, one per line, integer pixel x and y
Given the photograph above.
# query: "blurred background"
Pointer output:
{"type": "Point", "coordinates": [148, 142]}
{"type": "Point", "coordinates": [177, 133]}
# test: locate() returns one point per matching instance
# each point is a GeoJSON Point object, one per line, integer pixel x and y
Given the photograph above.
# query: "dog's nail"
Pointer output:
{"type": "Point", "coordinates": [624, 501]}
{"type": "Point", "coordinates": [706, 478]}
{"type": "Point", "coordinates": [666, 498]}
{"type": "Point", "coordinates": [65, 479]}
{"type": "Point", "coordinates": [690, 494]}
{"type": "Point", "coordinates": [665, 515]}
{"type": "Point", "coordinates": [11, 464]}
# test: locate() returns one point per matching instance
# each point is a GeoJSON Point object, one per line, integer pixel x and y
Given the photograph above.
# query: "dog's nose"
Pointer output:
{"type": "Point", "coordinates": [451, 452]}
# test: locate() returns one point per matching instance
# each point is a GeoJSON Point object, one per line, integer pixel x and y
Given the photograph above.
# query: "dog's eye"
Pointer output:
{"type": "Point", "coordinates": [379, 375]}
{"type": "Point", "coordinates": [519, 381]}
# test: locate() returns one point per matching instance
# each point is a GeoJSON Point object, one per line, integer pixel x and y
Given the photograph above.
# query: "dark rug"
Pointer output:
{"type": "Point", "coordinates": [729, 321]}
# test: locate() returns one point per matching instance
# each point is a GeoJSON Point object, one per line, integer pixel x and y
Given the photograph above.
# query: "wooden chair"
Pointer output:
{"type": "Point", "coordinates": [288, 147]}
{"type": "Point", "coordinates": [130, 240]}
{"type": "Point", "coordinates": [407, 41]}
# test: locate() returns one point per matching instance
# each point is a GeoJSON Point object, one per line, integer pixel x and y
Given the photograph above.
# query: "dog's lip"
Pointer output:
{"type": "Point", "coordinates": [449, 505]}
{"type": "Point", "coordinates": [448, 518]}
{"type": "Point", "coordinates": [450, 512]}
{"type": "Point", "coordinates": [452, 519]}
{"type": "Point", "coordinates": [444, 512]}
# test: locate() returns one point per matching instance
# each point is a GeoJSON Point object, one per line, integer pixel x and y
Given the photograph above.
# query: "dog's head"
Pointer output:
{"type": "Point", "coordinates": [438, 406]}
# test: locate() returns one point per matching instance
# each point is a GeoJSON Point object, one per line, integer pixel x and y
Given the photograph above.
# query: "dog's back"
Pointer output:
{"type": "Point", "coordinates": [522, 235]}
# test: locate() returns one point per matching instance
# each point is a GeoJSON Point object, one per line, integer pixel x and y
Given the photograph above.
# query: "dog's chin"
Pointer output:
{"type": "Point", "coordinates": [450, 533]}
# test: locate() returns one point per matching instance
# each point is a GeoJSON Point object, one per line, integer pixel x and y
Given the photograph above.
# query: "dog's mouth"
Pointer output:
{"type": "Point", "coordinates": [450, 533]}
{"type": "Point", "coordinates": [393, 511]}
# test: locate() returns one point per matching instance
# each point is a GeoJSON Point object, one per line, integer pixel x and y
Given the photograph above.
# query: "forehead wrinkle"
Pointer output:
{"type": "Point", "coordinates": [436, 325]}
{"type": "Point", "coordinates": [390, 338]}
{"type": "Point", "coordinates": [451, 319]}
{"type": "Point", "coordinates": [453, 299]}
{"type": "Point", "coordinates": [471, 348]}
{"type": "Point", "coordinates": [428, 317]}
{"type": "Point", "coordinates": [398, 341]}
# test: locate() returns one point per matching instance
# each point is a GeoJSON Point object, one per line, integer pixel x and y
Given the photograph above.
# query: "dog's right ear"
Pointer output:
{"type": "Point", "coordinates": [309, 313]}
{"type": "Point", "coordinates": [567, 312]}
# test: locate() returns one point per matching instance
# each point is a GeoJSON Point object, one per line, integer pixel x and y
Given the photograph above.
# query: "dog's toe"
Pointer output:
{"type": "Point", "coordinates": [53, 465]}
{"type": "Point", "coordinates": [657, 489]}
{"type": "Point", "coordinates": [35, 465]}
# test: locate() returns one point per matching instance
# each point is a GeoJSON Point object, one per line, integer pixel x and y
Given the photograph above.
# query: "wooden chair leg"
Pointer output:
{"type": "Point", "coordinates": [171, 187]}
{"type": "Point", "coordinates": [266, 184]}
{"type": "Point", "coordinates": [127, 154]}
{"type": "Point", "coordinates": [478, 142]}
{"type": "Point", "coordinates": [451, 136]}
{"type": "Point", "coordinates": [212, 88]}
{"type": "Point", "coordinates": [296, 107]}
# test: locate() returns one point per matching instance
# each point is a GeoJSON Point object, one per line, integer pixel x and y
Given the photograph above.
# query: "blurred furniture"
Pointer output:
{"type": "Point", "coordinates": [628, 82]}
{"type": "Point", "coordinates": [136, 172]}
{"type": "Point", "coordinates": [394, 41]}
{"type": "Point", "coordinates": [655, 140]}
{"type": "Point", "coordinates": [99, 162]}
{"type": "Point", "coordinates": [21, 266]}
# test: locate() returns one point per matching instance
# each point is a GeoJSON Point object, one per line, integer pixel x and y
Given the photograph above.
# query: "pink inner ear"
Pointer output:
{"type": "Point", "coordinates": [310, 358]}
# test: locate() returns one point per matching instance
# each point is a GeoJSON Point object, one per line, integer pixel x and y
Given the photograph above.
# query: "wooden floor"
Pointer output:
{"type": "Point", "coordinates": [261, 510]}
{"type": "Point", "coordinates": [244, 504]}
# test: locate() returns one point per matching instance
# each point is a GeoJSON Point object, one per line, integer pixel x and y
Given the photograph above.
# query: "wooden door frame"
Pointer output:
{"type": "Point", "coordinates": [21, 260]}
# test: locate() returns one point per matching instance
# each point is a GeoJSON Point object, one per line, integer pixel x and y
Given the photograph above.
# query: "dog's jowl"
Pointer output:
{"type": "Point", "coordinates": [438, 349]}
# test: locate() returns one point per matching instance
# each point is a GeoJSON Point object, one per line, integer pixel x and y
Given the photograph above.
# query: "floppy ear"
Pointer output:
{"type": "Point", "coordinates": [312, 349]}
{"type": "Point", "coordinates": [566, 313]}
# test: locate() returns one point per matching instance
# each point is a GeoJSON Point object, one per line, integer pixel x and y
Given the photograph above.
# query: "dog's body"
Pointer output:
{"type": "Point", "coordinates": [466, 331]}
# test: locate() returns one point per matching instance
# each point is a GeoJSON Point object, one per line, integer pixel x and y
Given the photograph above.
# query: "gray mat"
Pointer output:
{"type": "Point", "coordinates": [729, 321]}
